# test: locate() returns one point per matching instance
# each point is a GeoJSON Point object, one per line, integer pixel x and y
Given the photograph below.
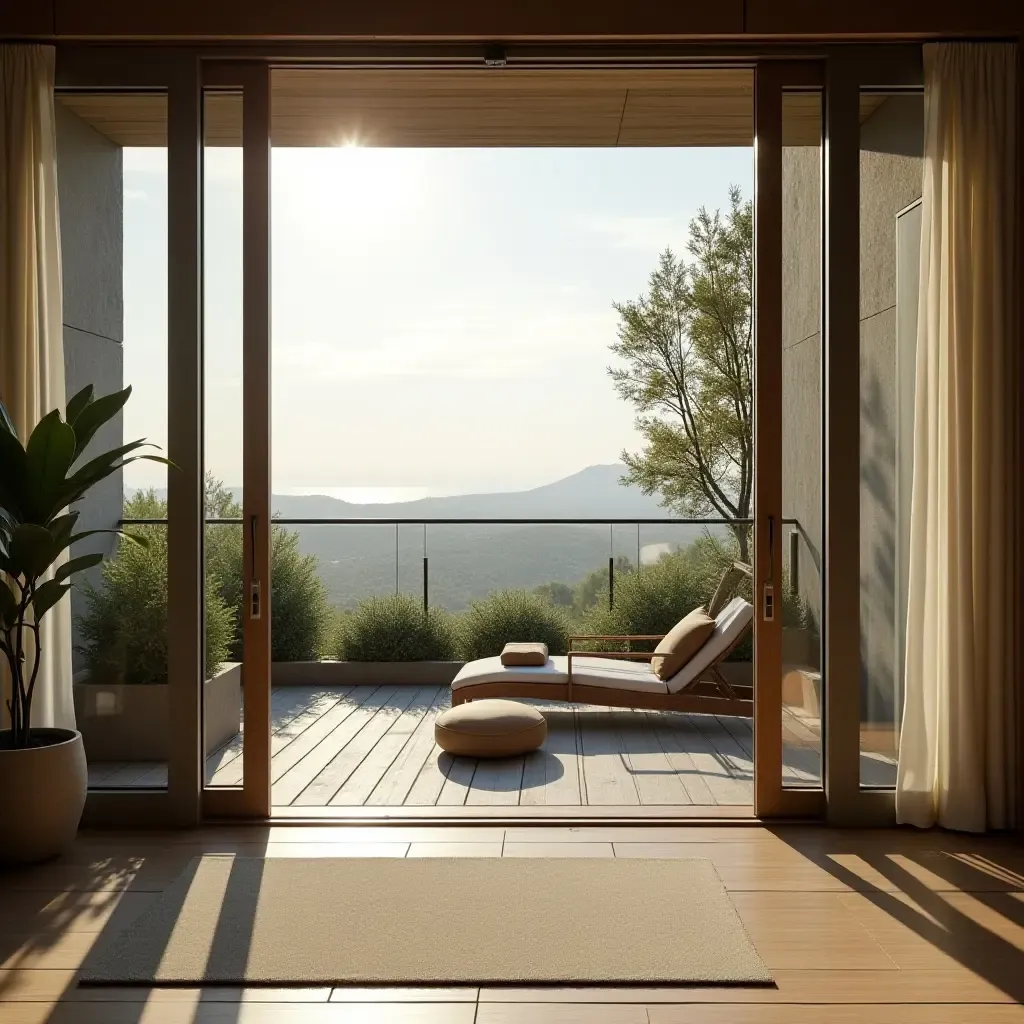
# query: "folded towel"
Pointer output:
{"type": "Point", "coordinates": [524, 654]}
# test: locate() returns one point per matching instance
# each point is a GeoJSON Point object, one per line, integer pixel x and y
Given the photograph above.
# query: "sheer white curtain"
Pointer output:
{"type": "Point", "coordinates": [31, 328]}
{"type": "Point", "coordinates": [957, 761]}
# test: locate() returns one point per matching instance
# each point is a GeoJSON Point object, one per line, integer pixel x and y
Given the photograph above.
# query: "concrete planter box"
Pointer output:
{"type": "Point", "coordinates": [363, 673]}
{"type": "Point", "coordinates": [121, 722]}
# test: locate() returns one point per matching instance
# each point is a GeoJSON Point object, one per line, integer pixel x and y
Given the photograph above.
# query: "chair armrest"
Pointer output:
{"type": "Point", "coordinates": [608, 636]}
{"type": "Point", "coordinates": [613, 655]}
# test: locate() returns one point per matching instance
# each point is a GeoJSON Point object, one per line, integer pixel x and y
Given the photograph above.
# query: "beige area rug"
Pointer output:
{"type": "Point", "coordinates": [435, 921]}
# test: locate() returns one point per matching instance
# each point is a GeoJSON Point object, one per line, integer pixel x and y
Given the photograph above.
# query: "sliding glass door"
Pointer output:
{"type": "Point", "coordinates": [452, 288]}
{"type": "Point", "coordinates": [236, 419]}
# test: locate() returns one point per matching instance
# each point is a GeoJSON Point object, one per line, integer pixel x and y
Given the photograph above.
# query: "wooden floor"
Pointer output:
{"type": "Point", "coordinates": [374, 746]}
{"type": "Point", "coordinates": [881, 927]}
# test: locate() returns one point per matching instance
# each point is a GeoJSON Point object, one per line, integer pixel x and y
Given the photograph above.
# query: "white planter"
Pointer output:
{"type": "Point", "coordinates": [123, 722]}
{"type": "Point", "coordinates": [42, 795]}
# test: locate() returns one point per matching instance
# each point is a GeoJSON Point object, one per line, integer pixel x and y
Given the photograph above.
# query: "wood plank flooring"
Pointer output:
{"type": "Point", "coordinates": [886, 927]}
{"type": "Point", "coordinates": [374, 746]}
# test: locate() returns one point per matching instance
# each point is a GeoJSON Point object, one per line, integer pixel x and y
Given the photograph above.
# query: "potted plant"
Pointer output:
{"type": "Point", "coordinates": [44, 771]}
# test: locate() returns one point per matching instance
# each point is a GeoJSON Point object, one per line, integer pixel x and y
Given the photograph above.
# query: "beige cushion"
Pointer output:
{"type": "Point", "coordinates": [525, 654]}
{"type": "Point", "coordinates": [681, 643]}
{"type": "Point", "coordinates": [490, 728]}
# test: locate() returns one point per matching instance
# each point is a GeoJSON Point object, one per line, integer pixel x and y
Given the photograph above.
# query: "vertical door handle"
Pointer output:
{"type": "Point", "coordinates": [768, 595]}
{"type": "Point", "coordinates": [255, 588]}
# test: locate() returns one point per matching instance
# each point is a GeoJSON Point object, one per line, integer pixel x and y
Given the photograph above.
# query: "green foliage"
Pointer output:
{"type": "Point", "coordinates": [124, 629]}
{"type": "Point", "coordinates": [510, 616]}
{"type": "Point", "coordinates": [38, 481]}
{"type": "Point", "coordinates": [687, 354]}
{"type": "Point", "coordinates": [395, 628]}
{"type": "Point", "coordinates": [560, 594]}
{"type": "Point", "coordinates": [300, 615]}
{"type": "Point", "coordinates": [592, 591]}
{"type": "Point", "coordinates": [654, 599]}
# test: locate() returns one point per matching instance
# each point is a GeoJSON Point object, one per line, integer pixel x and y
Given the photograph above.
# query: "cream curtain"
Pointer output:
{"type": "Point", "coordinates": [957, 760]}
{"type": "Point", "coordinates": [31, 328]}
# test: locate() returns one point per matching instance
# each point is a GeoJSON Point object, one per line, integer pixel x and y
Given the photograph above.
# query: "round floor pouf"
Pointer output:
{"type": "Point", "coordinates": [490, 728]}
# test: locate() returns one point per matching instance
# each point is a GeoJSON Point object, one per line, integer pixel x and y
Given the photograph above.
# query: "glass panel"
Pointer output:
{"type": "Point", "coordinates": [891, 143]}
{"type": "Point", "coordinates": [222, 434]}
{"type": "Point", "coordinates": [112, 177]}
{"type": "Point", "coordinates": [801, 540]}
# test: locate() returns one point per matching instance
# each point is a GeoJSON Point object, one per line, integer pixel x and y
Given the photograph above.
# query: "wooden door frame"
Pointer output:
{"type": "Point", "coordinates": [184, 71]}
{"type": "Point", "coordinates": [252, 799]}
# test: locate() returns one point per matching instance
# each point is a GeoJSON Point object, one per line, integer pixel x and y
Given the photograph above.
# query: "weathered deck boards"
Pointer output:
{"type": "Point", "coordinates": [374, 745]}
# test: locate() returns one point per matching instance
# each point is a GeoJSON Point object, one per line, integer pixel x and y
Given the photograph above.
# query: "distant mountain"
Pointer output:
{"type": "Point", "coordinates": [593, 492]}
{"type": "Point", "coordinates": [467, 562]}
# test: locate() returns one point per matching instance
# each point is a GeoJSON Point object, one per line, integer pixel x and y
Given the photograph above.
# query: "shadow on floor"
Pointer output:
{"type": "Point", "coordinates": [960, 895]}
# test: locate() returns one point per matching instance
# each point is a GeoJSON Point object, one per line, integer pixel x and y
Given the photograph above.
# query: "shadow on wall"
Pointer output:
{"type": "Point", "coordinates": [878, 568]}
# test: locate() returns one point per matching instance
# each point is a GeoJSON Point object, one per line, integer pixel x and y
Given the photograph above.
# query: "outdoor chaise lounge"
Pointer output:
{"type": "Point", "coordinates": [625, 679]}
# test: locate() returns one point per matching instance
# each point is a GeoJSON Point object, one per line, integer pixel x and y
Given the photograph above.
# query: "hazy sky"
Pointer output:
{"type": "Point", "coordinates": [441, 318]}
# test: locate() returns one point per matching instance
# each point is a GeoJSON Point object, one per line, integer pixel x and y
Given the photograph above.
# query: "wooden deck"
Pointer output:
{"type": "Point", "coordinates": [374, 746]}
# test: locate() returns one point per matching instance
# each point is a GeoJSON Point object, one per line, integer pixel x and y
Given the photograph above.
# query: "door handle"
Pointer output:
{"type": "Point", "coordinates": [768, 595]}
{"type": "Point", "coordinates": [255, 588]}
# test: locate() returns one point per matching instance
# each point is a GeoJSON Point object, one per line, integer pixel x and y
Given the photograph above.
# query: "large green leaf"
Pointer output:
{"type": "Point", "coordinates": [95, 414]}
{"type": "Point", "coordinates": [134, 538]}
{"type": "Point", "coordinates": [31, 552]}
{"type": "Point", "coordinates": [15, 492]}
{"type": "Point", "coordinates": [47, 595]}
{"type": "Point", "coordinates": [73, 565]}
{"type": "Point", "coordinates": [6, 423]}
{"type": "Point", "coordinates": [8, 605]}
{"type": "Point", "coordinates": [96, 469]}
{"type": "Point", "coordinates": [7, 525]}
{"type": "Point", "coordinates": [78, 403]}
{"type": "Point", "coordinates": [50, 451]}
{"type": "Point", "coordinates": [61, 529]}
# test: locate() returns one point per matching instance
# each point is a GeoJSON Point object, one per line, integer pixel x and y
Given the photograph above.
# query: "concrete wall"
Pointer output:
{"type": "Point", "coordinates": [891, 146]}
{"type": "Point", "coordinates": [89, 182]}
{"type": "Point", "coordinates": [892, 142]}
{"type": "Point", "coordinates": [802, 364]}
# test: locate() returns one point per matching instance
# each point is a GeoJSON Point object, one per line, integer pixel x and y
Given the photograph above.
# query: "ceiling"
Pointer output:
{"type": "Point", "coordinates": [471, 108]}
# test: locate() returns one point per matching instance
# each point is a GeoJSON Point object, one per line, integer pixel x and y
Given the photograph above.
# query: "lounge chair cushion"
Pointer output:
{"type": "Point", "coordinates": [681, 643]}
{"type": "Point", "coordinates": [490, 728]}
{"type": "Point", "coordinates": [730, 625]}
{"type": "Point", "coordinates": [615, 675]}
{"type": "Point", "coordinates": [524, 654]}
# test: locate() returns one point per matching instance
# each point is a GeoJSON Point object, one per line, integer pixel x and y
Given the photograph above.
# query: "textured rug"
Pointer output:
{"type": "Point", "coordinates": [435, 921]}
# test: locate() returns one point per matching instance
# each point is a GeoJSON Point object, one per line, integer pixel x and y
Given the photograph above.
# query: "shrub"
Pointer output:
{"type": "Point", "coordinates": [124, 628]}
{"type": "Point", "coordinates": [300, 615]}
{"type": "Point", "coordinates": [510, 616]}
{"type": "Point", "coordinates": [654, 599]}
{"type": "Point", "coordinates": [395, 628]}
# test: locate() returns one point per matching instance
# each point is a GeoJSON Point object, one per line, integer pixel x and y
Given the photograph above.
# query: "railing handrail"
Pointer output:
{"type": "Point", "coordinates": [471, 521]}
{"type": "Point", "coordinates": [378, 521]}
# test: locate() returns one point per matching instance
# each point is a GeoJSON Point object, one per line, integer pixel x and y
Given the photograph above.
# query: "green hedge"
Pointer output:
{"type": "Point", "coordinates": [395, 628]}
{"type": "Point", "coordinates": [124, 629]}
{"type": "Point", "coordinates": [300, 614]}
{"type": "Point", "coordinates": [510, 616]}
{"type": "Point", "coordinates": [654, 599]}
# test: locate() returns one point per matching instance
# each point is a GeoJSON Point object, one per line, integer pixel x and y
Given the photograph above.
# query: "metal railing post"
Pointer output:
{"type": "Point", "coordinates": [794, 562]}
{"type": "Point", "coordinates": [426, 575]}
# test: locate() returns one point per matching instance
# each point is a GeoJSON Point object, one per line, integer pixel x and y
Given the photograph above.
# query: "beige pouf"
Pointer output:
{"type": "Point", "coordinates": [490, 728]}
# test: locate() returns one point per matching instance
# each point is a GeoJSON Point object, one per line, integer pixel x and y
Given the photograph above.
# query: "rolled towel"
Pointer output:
{"type": "Point", "coordinates": [518, 655]}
